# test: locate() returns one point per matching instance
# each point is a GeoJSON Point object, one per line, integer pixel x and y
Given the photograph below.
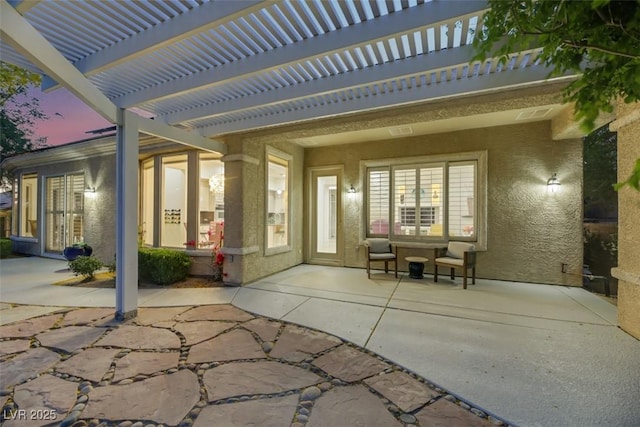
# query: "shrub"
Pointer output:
{"type": "Point", "coordinates": [163, 266]}
{"type": "Point", "coordinates": [5, 248]}
{"type": "Point", "coordinates": [85, 266]}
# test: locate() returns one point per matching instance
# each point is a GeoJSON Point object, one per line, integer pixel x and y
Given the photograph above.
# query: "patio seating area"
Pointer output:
{"type": "Point", "coordinates": [525, 353]}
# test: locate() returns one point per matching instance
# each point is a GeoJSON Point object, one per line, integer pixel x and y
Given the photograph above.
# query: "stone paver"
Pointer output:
{"type": "Point", "coordinates": [206, 366]}
{"type": "Point", "coordinates": [266, 329]}
{"type": "Point", "coordinates": [14, 346]}
{"type": "Point", "coordinates": [215, 312]}
{"type": "Point", "coordinates": [155, 315]}
{"type": "Point", "coordinates": [273, 412]}
{"type": "Point", "coordinates": [91, 364]}
{"type": "Point", "coordinates": [349, 364]}
{"type": "Point", "coordinates": [296, 344]}
{"type": "Point", "coordinates": [163, 399]}
{"type": "Point", "coordinates": [351, 406]}
{"type": "Point", "coordinates": [29, 327]}
{"type": "Point", "coordinates": [70, 338]}
{"type": "Point", "coordinates": [26, 365]}
{"type": "Point", "coordinates": [234, 345]}
{"type": "Point", "coordinates": [144, 363]}
{"type": "Point", "coordinates": [201, 330]}
{"type": "Point", "coordinates": [444, 413]}
{"type": "Point", "coordinates": [406, 392]}
{"type": "Point", "coordinates": [237, 379]}
{"type": "Point", "coordinates": [47, 393]}
{"type": "Point", "coordinates": [141, 337]}
{"type": "Point", "coordinates": [85, 316]}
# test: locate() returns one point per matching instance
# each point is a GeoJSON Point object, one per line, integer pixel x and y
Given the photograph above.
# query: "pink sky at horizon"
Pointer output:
{"type": "Point", "coordinates": [68, 118]}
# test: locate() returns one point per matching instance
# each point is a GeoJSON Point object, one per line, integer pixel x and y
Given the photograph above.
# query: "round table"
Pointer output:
{"type": "Point", "coordinates": [416, 266]}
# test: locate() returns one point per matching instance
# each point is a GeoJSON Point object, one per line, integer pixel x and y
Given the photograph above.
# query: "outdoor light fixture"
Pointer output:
{"type": "Point", "coordinates": [90, 189]}
{"type": "Point", "coordinates": [352, 190]}
{"type": "Point", "coordinates": [553, 183]}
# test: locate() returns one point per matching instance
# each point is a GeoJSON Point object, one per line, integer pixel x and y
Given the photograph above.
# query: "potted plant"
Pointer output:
{"type": "Point", "coordinates": [77, 249]}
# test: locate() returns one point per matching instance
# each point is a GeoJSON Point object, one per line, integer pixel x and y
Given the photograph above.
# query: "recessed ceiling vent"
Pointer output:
{"type": "Point", "coordinates": [533, 114]}
{"type": "Point", "coordinates": [401, 131]}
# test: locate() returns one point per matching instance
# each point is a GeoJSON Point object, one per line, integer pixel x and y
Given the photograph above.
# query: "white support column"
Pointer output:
{"type": "Point", "coordinates": [126, 215]}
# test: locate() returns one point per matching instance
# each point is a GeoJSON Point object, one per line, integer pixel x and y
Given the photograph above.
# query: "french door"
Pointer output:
{"type": "Point", "coordinates": [64, 211]}
{"type": "Point", "coordinates": [325, 207]}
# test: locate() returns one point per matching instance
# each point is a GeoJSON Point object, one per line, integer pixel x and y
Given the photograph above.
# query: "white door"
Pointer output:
{"type": "Point", "coordinates": [325, 208]}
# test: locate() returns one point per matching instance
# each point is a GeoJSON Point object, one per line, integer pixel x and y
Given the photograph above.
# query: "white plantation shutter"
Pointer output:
{"type": "Point", "coordinates": [378, 201]}
{"type": "Point", "coordinates": [462, 195]}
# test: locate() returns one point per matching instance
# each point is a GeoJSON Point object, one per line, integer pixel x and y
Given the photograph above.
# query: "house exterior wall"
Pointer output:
{"type": "Point", "coordinates": [245, 208]}
{"type": "Point", "coordinates": [530, 232]}
{"type": "Point", "coordinates": [99, 208]}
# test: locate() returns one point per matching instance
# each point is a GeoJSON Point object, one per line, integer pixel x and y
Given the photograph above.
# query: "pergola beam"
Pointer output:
{"type": "Point", "coordinates": [207, 15]}
{"type": "Point", "coordinates": [368, 32]}
{"type": "Point", "coordinates": [464, 86]}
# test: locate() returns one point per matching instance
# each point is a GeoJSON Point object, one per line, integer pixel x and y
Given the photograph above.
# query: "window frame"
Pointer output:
{"type": "Point", "coordinates": [21, 210]}
{"type": "Point", "coordinates": [282, 159]}
{"type": "Point", "coordinates": [480, 158]}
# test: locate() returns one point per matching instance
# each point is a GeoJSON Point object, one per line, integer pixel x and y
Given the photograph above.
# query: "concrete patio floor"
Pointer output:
{"type": "Point", "coordinates": [531, 354]}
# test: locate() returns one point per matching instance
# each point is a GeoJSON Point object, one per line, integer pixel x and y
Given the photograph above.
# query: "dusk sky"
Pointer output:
{"type": "Point", "coordinates": [69, 118]}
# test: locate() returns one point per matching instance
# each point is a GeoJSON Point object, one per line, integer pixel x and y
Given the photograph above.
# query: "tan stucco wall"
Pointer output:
{"type": "Point", "coordinates": [245, 208]}
{"type": "Point", "coordinates": [530, 232]}
{"type": "Point", "coordinates": [628, 271]}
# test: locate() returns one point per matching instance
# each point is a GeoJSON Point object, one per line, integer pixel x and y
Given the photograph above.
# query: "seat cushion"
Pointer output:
{"type": "Point", "coordinates": [457, 249]}
{"type": "Point", "coordinates": [381, 256]}
{"type": "Point", "coordinates": [378, 246]}
{"type": "Point", "coordinates": [450, 261]}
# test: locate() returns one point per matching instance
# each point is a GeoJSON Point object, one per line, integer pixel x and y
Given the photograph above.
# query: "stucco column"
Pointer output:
{"type": "Point", "coordinates": [627, 125]}
{"type": "Point", "coordinates": [126, 215]}
{"type": "Point", "coordinates": [240, 212]}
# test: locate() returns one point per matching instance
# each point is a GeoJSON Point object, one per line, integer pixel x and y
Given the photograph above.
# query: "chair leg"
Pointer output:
{"type": "Point", "coordinates": [368, 268]}
{"type": "Point", "coordinates": [473, 275]}
{"type": "Point", "coordinates": [435, 273]}
{"type": "Point", "coordinates": [453, 273]}
{"type": "Point", "coordinates": [386, 267]}
{"type": "Point", "coordinates": [396, 262]}
{"type": "Point", "coordinates": [464, 278]}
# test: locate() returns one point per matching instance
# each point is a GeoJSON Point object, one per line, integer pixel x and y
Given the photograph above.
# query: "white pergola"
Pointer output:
{"type": "Point", "coordinates": [202, 69]}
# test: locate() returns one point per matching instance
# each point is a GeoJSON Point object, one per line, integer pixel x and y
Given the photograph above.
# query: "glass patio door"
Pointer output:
{"type": "Point", "coordinates": [64, 212]}
{"type": "Point", "coordinates": [326, 216]}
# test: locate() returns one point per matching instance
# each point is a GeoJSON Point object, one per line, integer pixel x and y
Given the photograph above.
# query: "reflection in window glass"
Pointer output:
{"type": "Point", "coordinates": [29, 205]}
{"type": "Point", "coordinates": [145, 233]}
{"type": "Point", "coordinates": [277, 202]}
{"type": "Point", "coordinates": [173, 231]}
{"type": "Point", "coordinates": [210, 201]}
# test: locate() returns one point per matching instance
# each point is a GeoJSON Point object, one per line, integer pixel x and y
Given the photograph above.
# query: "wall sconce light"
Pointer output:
{"type": "Point", "coordinates": [553, 183]}
{"type": "Point", "coordinates": [352, 190]}
{"type": "Point", "coordinates": [90, 189]}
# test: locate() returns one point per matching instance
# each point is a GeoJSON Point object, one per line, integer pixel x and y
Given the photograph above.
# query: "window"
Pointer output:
{"type": "Point", "coordinates": [173, 232]}
{"type": "Point", "coordinates": [29, 205]}
{"type": "Point", "coordinates": [145, 231]}
{"type": "Point", "coordinates": [210, 201]}
{"type": "Point", "coordinates": [431, 199]}
{"type": "Point", "coordinates": [64, 211]}
{"type": "Point", "coordinates": [278, 201]}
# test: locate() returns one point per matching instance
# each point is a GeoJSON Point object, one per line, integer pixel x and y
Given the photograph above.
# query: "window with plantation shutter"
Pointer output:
{"type": "Point", "coordinates": [462, 189]}
{"type": "Point", "coordinates": [378, 201]}
{"type": "Point", "coordinates": [431, 199]}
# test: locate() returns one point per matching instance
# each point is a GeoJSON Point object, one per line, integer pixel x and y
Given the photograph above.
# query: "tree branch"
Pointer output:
{"type": "Point", "coordinates": [599, 49]}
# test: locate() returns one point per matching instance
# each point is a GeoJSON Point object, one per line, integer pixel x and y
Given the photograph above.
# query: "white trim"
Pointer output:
{"type": "Point", "coordinates": [240, 251]}
{"type": "Point", "coordinates": [288, 158]}
{"type": "Point", "coordinates": [240, 158]}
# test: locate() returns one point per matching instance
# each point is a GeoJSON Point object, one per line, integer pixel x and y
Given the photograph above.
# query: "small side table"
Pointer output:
{"type": "Point", "coordinates": [416, 266]}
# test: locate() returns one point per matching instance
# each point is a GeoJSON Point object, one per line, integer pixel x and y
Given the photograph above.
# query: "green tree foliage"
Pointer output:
{"type": "Point", "coordinates": [600, 169]}
{"type": "Point", "coordinates": [18, 112]}
{"type": "Point", "coordinates": [600, 39]}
